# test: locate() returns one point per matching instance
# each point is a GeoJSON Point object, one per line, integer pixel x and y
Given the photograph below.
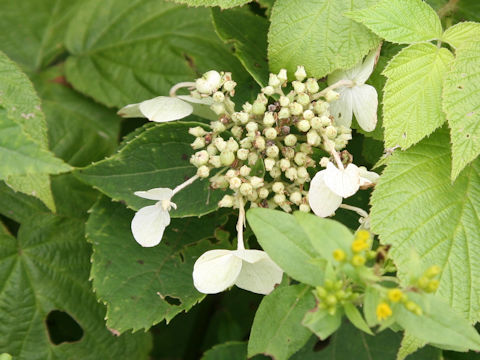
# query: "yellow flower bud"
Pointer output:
{"type": "Point", "coordinates": [362, 235]}
{"type": "Point", "coordinates": [432, 285]}
{"type": "Point", "coordinates": [432, 271]}
{"type": "Point", "coordinates": [339, 255]}
{"type": "Point", "coordinates": [359, 245]}
{"type": "Point", "coordinates": [395, 295]}
{"type": "Point", "coordinates": [384, 311]}
{"type": "Point", "coordinates": [358, 260]}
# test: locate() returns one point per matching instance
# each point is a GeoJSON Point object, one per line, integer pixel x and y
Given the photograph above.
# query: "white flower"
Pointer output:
{"type": "Point", "coordinates": [328, 187]}
{"type": "Point", "coordinates": [149, 222]}
{"type": "Point", "coordinates": [167, 108]}
{"type": "Point", "coordinates": [209, 82]}
{"type": "Point", "coordinates": [361, 99]}
{"type": "Point", "coordinates": [252, 270]}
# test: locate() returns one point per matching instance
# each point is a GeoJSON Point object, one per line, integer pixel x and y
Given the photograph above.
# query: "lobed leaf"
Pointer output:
{"type": "Point", "coordinates": [223, 4]}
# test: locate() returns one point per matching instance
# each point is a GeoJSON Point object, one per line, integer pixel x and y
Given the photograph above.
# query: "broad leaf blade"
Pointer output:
{"type": "Point", "coordinates": [462, 34]}
{"type": "Point", "coordinates": [224, 4]}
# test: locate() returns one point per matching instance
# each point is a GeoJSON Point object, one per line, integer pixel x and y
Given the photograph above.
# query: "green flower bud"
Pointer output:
{"type": "Point", "coordinates": [279, 199]}
{"type": "Point", "coordinates": [227, 157]}
{"type": "Point", "coordinates": [274, 81]}
{"type": "Point", "coordinates": [312, 86]}
{"type": "Point", "coordinates": [295, 108]}
{"type": "Point", "coordinates": [198, 143]}
{"type": "Point", "coordinates": [197, 131]}
{"type": "Point", "coordinates": [217, 126]}
{"type": "Point", "coordinates": [220, 144]}
{"type": "Point", "coordinates": [284, 164]}
{"type": "Point", "coordinates": [316, 123]}
{"type": "Point", "coordinates": [296, 197]}
{"type": "Point", "coordinates": [320, 107]}
{"type": "Point", "coordinates": [308, 114]}
{"type": "Point", "coordinates": [284, 113]}
{"type": "Point", "coordinates": [269, 90]}
{"type": "Point", "coordinates": [303, 125]}
{"type": "Point", "coordinates": [263, 193]}
{"type": "Point", "coordinates": [218, 97]}
{"type": "Point", "coordinates": [268, 119]}
{"type": "Point", "coordinates": [269, 164]}
{"type": "Point", "coordinates": [272, 151]}
{"type": "Point", "coordinates": [300, 158]}
{"type": "Point", "coordinates": [331, 299]}
{"type": "Point", "coordinates": [303, 99]}
{"type": "Point", "coordinates": [235, 183]}
{"type": "Point", "coordinates": [232, 145]}
{"type": "Point", "coordinates": [298, 86]}
{"type": "Point", "coordinates": [242, 154]}
{"type": "Point", "coordinates": [331, 96]}
{"type": "Point", "coordinates": [282, 75]}
{"type": "Point", "coordinates": [275, 172]}
{"type": "Point", "coordinates": [256, 182]}
{"type": "Point", "coordinates": [237, 131]}
{"type": "Point", "coordinates": [258, 108]}
{"type": "Point", "coordinates": [300, 74]}
{"type": "Point", "coordinates": [291, 174]}
{"type": "Point", "coordinates": [284, 101]}
{"type": "Point", "coordinates": [226, 202]}
{"type": "Point", "coordinates": [203, 171]}
{"type": "Point", "coordinates": [423, 282]}
{"type": "Point", "coordinates": [246, 189]}
{"type": "Point", "coordinates": [331, 132]}
{"type": "Point", "coordinates": [304, 208]}
{"type": "Point", "coordinates": [313, 138]}
{"type": "Point", "coordinates": [321, 292]}
{"type": "Point", "coordinates": [246, 143]}
{"type": "Point", "coordinates": [290, 140]}
{"type": "Point", "coordinates": [270, 133]}
{"type": "Point", "coordinates": [433, 271]}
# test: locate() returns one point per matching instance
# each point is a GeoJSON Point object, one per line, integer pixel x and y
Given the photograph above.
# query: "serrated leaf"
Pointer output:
{"type": "Point", "coordinates": [138, 49]}
{"type": "Point", "coordinates": [321, 323]}
{"type": "Point", "coordinates": [248, 34]}
{"type": "Point", "coordinates": [39, 26]}
{"type": "Point", "coordinates": [158, 157]}
{"type": "Point", "coordinates": [17, 206]}
{"type": "Point", "coordinates": [401, 21]}
{"type": "Point", "coordinates": [409, 345]}
{"type": "Point", "coordinates": [412, 102]}
{"type": "Point", "coordinates": [317, 35]}
{"type": "Point", "coordinates": [224, 4]}
{"type": "Point", "coordinates": [44, 270]}
{"type": "Point", "coordinates": [277, 329]}
{"type": "Point", "coordinates": [444, 228]}
{"type": "Point", "coordinates": [37, 185]}
{"type": "Point", "coordinates": [462, 34]}
{"type": "Point", "coordinates": [356, 318]}
{"type": "Point", "coordinates": [232, 350]}
{"type": "Point", "coordinates": [462, 106]}
{"type": "Point", "coordinates": [143, 286]}
{"type": "Point", "coordinates": [281, 236]}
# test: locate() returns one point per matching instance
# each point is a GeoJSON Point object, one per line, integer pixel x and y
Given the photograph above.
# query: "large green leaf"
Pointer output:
{"type": "Point", "coordinates": [159, 157]}
{"type": "Point", "coordinates": [17, 206]}
{"type": "Point", "coordinates": [277, 329]}
{"type": "Point", "coordinates": [221, 3]}
{"type": "Point", "coordinates": [136, 50]}
{"type": "Point", "coordinates": [401, 21]}
{"type": "Point", "coordinates": [412, 102]}
{"type": "Point", "coordinates": [248, 34]}
{"type": "Point", "coordinates": [460, 103]}
{"type": "Point", "coordinates": [317, 35]}
{"type": "Point", "coordinates": [46, 269]}
{"type": "Point", "coordinates": [32, 32]}
{"type": "Point", "coordinates": [143, 286]}
{"type": "Point", "coordinates": [281, 236]}
{"type": "Point", "coordinates": [462, 34]}
{"type": "Point", "coordinates": [232, 350]}
{"type": "Point", "coordinates": [415, 206]}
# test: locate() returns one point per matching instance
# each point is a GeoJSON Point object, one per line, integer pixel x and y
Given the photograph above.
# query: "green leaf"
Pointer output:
{"type": "Point", "coordinates": [412, 103]}
{"type": "Point", "coordinates": [281, 236]}
{"type": "Point", "coordinates": [17, 206]}
{"type": "Point", "coordinates": [143, 286]}
{"type": "Point", "coordinates": [138, 49]}
{"type": "Point", "coordinates": [444, 228]}
{"type": "Point", "coordinates": [401, 21]}
{"type": "Point", "coordinates": [462, 34]}
{"type": "Point", "coordinates": [355, 317]}
{"type": "Point", "coordinates": [317, 35]}
{"type": "Point", "coordinates": [32, 32]}
{"type": "Point", "coordinates": [325, 235]}
{"type": "Point", "coordinates": [439, 325]}
{"type": "Point", "coordinates": [460, 103]}
{"type": "Point", "coordinates": [158, 157]}
{"type": "Point", "coordinates": [224, 4]}
{"type": "Point", "coordinates": [321, 323]}
{"type": "Point", "coordinates": [232, 350]}
{"type": "Point", "coordinates": [409, 345]}
{"type": "Point", "coordinates": [46, 269]}
{"type": "Point", "coordinates": [37, 185]}
{"type": "Point", "coordinates": [247, 32]}
{"type": "Point", "coordinates": [277, 330]}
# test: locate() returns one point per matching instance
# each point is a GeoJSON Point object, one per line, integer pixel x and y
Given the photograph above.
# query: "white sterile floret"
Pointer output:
{"type": "Point", "coordinates": [150, 222]}
{"type": "Point", "coordinates": [361, 99]}
{"type": "Point", "coordinates": [163, 108]}
{"type": "Point", "coordinates": [328, 187]}
{"type": "Point", "coordinates": [252, 270]}
{"type": "Point", "coordinates": [209, 82]}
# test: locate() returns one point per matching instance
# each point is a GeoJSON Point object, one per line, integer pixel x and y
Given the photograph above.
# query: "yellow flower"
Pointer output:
{"type": "Point", "coordinates": [339, 255]}
{"type": "Point", "coordinates": [395, 295]}
{"type": "Point", "coordinates": [363, 235]}
{"type": "Point", "coordinates": [359, 245]}
{"type": "Point", "coordinates": [384, 311]}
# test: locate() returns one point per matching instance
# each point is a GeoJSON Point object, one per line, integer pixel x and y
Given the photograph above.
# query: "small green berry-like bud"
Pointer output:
{"type": "Point", "coordinates": [284, 113]}
{"type": "Point", "coordinates": [198, 143]}
{"type": "Point", "coordinates": [284, 164]}
{"type": "Point", "coordinates": [282, 75]}
{"type": "Point", "coordinates": [331, 132]}
{"type": "Point", "coordinates": [235, 183]}
{"type": "Point", "coordinates": [291, 174]}
{"type": "Point", "coordinates": [312, 86]}
{"type": "Point", "coordinates": [278, 187]}
{"type": "Point", "coordinates": [411, 306]}
{"type": "Point", "coordinates": [358, 260]}
{"type": "Point", "coordinates": [303, 125]}
{"type": "Point", "coordinates": [321, 292]}
{"type": "Point", "coordinates": [432, 271]}
{"type": "Point", "coordinates": [284, 101]}
{"type": "Point", "coordinates": [242, 154]}
{"type": "Point", "coordinates": [203, 171]}
{"type": "Point", "coordinates": [298, 86]}
{"type": "Point", "coordinates": [296, 197]}
{"type": "Point", "coordinates": [313, 138]}
{"type": "Point", "coordinates": [272, 151]}
{"type": "Point", "coordinates": [268, 119]}
{"type": "Point", "coordinates": [256, 182]}
{"type": "Point", "coordinates": [331, 96]}
{"type": "Point", "coordinates": [290, 140]}
{"type": "Point", "coordinates": [304, 208]}
{"type": "Point", "coordinates": [229, 85]}
{"type": "Point", "coordinates": [269, 164]}
{"type": "Point", "coordinates": [432, 285]}
{"type": "Point", "coordinates": [331, 299]}
{"type": "Point", "coordinates": [269, 90]}
{"type": "Point", "coordinates": [270, 133]}
{"type": "Point", "coordinates": [300, 74]}
{"type": "Point", "coordinates": [300, 158]}
{"type": "Point", "coordinates": [329, 284]}
{"type": "Point", "coordinates": [423, 282]}
{"type": "Point", "coordinates": [246, 189]}
{"type": "Point", "coordinates": [226, 202]}
{"type": "Point", "coordinates": [227, 157]}
{"type": "Point", "coordinates": [197, 131]}
{"type": "Point", "coordinates": [232, 145]}
{"type": "Point", "coordinates": [279, 199]}
{"type": "Point", "coordinates": [245, 170]}
{"type": "Point", "coordinates": [218, 97]}
{"type": "Point", "coordinates": [295, 108]}
{"type": "Point", "coordinates": [263, 193]}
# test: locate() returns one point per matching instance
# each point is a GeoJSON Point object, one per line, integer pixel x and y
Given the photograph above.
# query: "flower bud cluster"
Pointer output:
{"type": "Point", "coordinates": [334, 294]}
{"type": "Point", "coordinates": [361, 246]}
{"type": "Point", "coordinates": [264, 151]}
{"type": "Point", "coordinates": [429, 282]}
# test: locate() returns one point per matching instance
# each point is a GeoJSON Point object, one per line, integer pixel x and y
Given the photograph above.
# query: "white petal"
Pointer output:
{"type": "Point", "coordinates": [201, 107]}
{"type": "Point", "coordinates": [203, 101]}
{"type": "Point", "coordinates": [148, 225]}
{"type": "Point", "coordinates": [345, 182]}
{"type": "Point", "coordinates": [342, 108]}
{"type": "Point", "coordinates": [165, 108]}
{"type": "Point", "coordinates": [130, 111]}
{"type": "Point", "coordinates": [321, 199]}
{"type": "Point", "coordinates": [363, 70]}
{"type": "Point", "coordinates": [367, 177]}
{"type": "Point", "coordinates": [364, 104]}
{"type": "Point", "coordinates": [155, 194]}
{"type": "Point", "coordinates": [215, 271]}
{"type": "Point", "coordinates": [259, 274]}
